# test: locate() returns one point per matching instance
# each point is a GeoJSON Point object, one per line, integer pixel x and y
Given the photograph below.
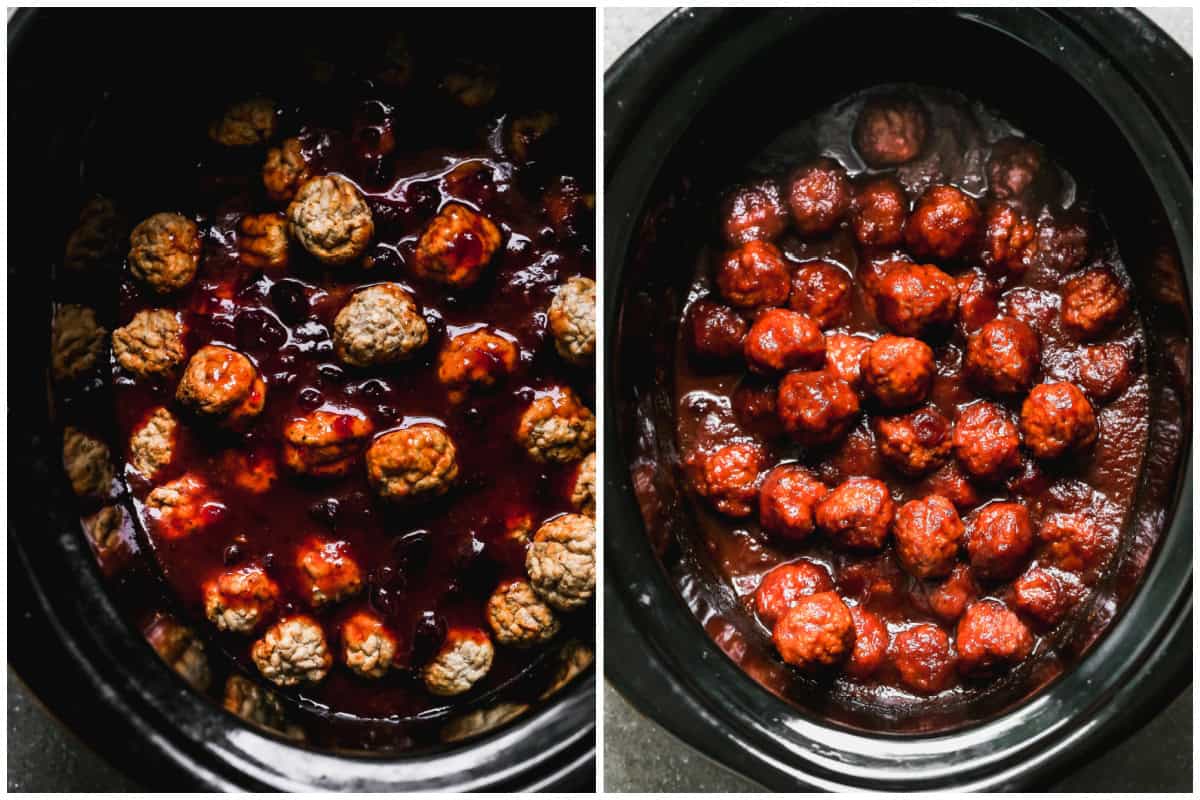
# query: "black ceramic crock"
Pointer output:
{"type": "Point", "coordinates": [685, 107]}
{"type": "Point", "coordinates": [67, 639]}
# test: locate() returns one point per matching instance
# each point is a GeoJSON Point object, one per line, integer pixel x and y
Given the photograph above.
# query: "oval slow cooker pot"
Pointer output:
{"type": "Point", "coordinates": [67, 637]}
{"type": "Point", "coordinates": [685, 108]}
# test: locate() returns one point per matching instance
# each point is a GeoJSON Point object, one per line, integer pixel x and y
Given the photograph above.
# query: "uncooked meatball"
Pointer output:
{"type": "Point", "coordinates": [944, 222]}
{"type": "Point", "coordinates": [285, 171]}
{"type": "Point", "coordinates": [819, 195]}
{"type": "Point", "coordinates": [368, 647]}
{"type": "Point", "coordinates": [182, 506]}
{"type": "Point", "coordinates": [817, 631]}
{"type": "Point", "coordinates": [1001, 537]}
{"type": "Point", "coordinates": [1056, 419]}
{"type": "Point", "coordinates": [456, 247]}
{"type": "Point", "coordinates": [178, 646]}
{"type": "Point", "coordinates": [1071, 542]}
{"type": "Point", "coordinates": [890, 130]}
{"type": "Point", "coordinates": [325, 443]}
{"type": "Point", "coordinates": [928, 532]}
{"type": "Point", "coordinates": [96, 240]}
{"type": "Point", "coordinates": [561, 561]}
{"type": "Point", "coordinates": [986, 442]}
{"type": "Point", "coordinates": [990, 637]}
{"type": "Point", "coordinates": [923, 659]}
{"type": "Point", "coordinates": [870, 644]}
{"type": "Point", "coordinates": [914, 298]}
{"type": "Point", "coordinates": [821, 291]}
{"type": "Point", "coordinates": [728, 477]}
{"type": "Point", "coordinates": [572, 319]}
{"type": "Point", "coordinates": [415, 462]}
{"type": "Point", "coordinates": [293, 651]}
{"type": "Point", "coordinates": [477, 358]}
{"type": "Point", "coordinates": [557, 427]}
{"type": "Point", "coordinates": [1040, 594]}
{"type": "Point", "coordinates": [380, 325]}
{"type": "Point", "coordinates": [897, 371]}
{"type": "Point", "coordinates": [164, 252]}
{"type": "Point", "coordinates": [843, 356]}
{"type": "Point", "coordinates": [1003, 357]}
{"type": "Point", "coordinates": [754, 275]}
{"type": "Point", "coordinates": [978, 300]}
{"type": "Point", "coordinates": [1105, 370]}
{"type": "Point", "coordinates": [782, 588]}
{"type": "Point", "coordinates": [247, 123]}
{"type": "Point", "coordinates": [753, 211]}
{"type": "Point", "coordinates": [717, 331]}
{"type": "Point", "coordinates": [583, 488]}
{"type": "Point", "coordinates": [1009, 241]}
{"type": "Point", "coordinates": [950, 598]}
{"type": "Point", "coordinates": [240, 599]}
{"type": "Point", "coordinates": [1093, 302]}
{"type": "Point", "coordinates": [331, 219]}
{"type": "Point", "coordinates": [857, 514]}
{"type": "Point", "coordinates": [781, 340]}
{"type": "Point", "coordinates": [152, 445]}
{"type": "Point", "coordinates": [916, 442]}
{"type": "Point", "coordinates": [222, 383]}
{"type": "Point", "coordinates": [464, 658]}
{"type": "Point", "coordinates": [787, 500]}
{"type": "Point", "coordinates": [816, 408]}
{"type": "Point", "coordinates": [87, 463]}
{"type": "Point", "coordinates": [1017, 170]}
{"type": "Point", "coordinates": [151, 345]}
{"type": "Point", "coordinates": [518, 618]}
{"type": "Point", "coordinates": [262, 241]}
{"type": "Point", "coordinates": [878, 213]}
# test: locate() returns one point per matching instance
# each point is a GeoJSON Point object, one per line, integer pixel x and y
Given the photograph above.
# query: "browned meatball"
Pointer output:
{"type": "Point", "coordinates": [952, 482]}
{"type": "Point", "coordinates": [928, 532]}
{"type": "Point", "coordinates": [477, 358]}
{"type": "Point", "coordinates": [990, 637]}
{"type": "Point", "coordinates": [870, 643]}
{"type": "Point", "coordinates": [1071, 542]}
{"type": "Point", "coordinates": [816, 408]}
{"type": "Point", "coordinates": [1008, 241]}
{"type": "Point", "coordinates": [986, 442]}
{"type": "Point", "coordinates": [717, 331]}
{"type": "Point", "coordinates": [1062, 241]}
{"type": "Point", "coordinates": [285, 171]}
{"type": "Point", "coordinates": [922, 657]}
{"type": "Point", "coordinates": [457, 246]}
{"type": "Point", "coordinates": [1092, 303]}
{"type": "Point", "coordinates": [224, 384]}
{"type": "Point", "coordinates": [817, 631]}
{"type": "Point", "coordinates": [857, 514]}
{"type": "Point", "coordinates": [878, 212]}
{"type": "Point", "coordinates": [890, 130]}
{"type": "Point", "coordinates": [418, 461]}
{"type": "Point", "coordinates": [164, 252]}
{"type": "Point", "coordinates": [262, 241]}
{"type": "Point", "coordinates": [916, 442]}
{"type": "Point", "coordinates": [819, 196]}
{"type": "Point", "coordinates": [944, 222]}
{"type": "Point", "coordinates": [753, 211]}
{"type": "Point", "coordinates": [782, 588]}
{"type": "Point", "coordinates": [1040, 595]}
{"type": "Point", "coordinates": [782, 340]}
{"type": "Point", "coordinates": [898, 371]}
{"type": "Point", "coordinates": [1017, 170]}
{"type": "Point", "coordinates": [843, 356]}
{"type": "Point", "coordinates": [729, 478]}
{"type": "Point", "coordinates": [913, 298]}
{"type": "Point", "coordinates": [786, 502]}
{"type": "Point", "coordinates": [1057, 419]}
{"type": "Point", "coordinates": [325, 443]}
{"type": "Point", "coordinates": [328, 571]}
{"type": "Point", "coordinates": [331, 219]}
{"type": "Point", "coordinates": [821, 291]}
{"type": "Point", "coordinates": [755, 404]}
{"type": "Point", "coordinates": [379, 325]}
{"type": "Point", "coordinates": [951, 597]}
{"type": "Point", "coordinates": [1105, 370]}
{"type": "Point", "coordinates": [1001, 537]}
{"type": "Point", "coordinates": [572, 320]}
{"type": "Point", "coordinates": [557, 427]}
{"type": "Point", "coordinates": [1003, 357]}
{"type": "Point", "coordinates": [754, 275]}
{"type": "Point", "coordinates": [978, 297]}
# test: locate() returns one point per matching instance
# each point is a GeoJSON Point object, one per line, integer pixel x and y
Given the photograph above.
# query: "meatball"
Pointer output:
{"type": "Point", "coordinates": [240, 599]}
{"type": "Point", "coordinates": [978, 300]}
{"type": "Point", "coordinates": [583, 488]}
{"type": "Point", "coordinates": [222, 383]}
{"type": "Point", "coordinates": [1040, 595]}
{"type": "Point", "coordinates": [1009, 241]}
{"type": "Point", "coordinates": [247, 123]}
{"type": "Point", "coordinates": [1057, 419]}
{"type": "Point", "coordinates": [328, 572]}
{"type": "Point", "coordinates": [870, 644]}
{"type": "Point", "coordinates": [164, 252]}
{"type": "Point", "coordinates": [258, 706]}
{"type": "Point", "coordinates": [1062, 241]}
{"type": "Point", "coordinates": [152, 445]}
{"type": "Point", "coordinates": [890, 130]}
{"type": "Point", "coordinates": [1017, 170]}
{"type": "Point", "coordinates": [878, 212]}
{"type": "Point", "coordinates": [380, 325]}
{"type": "Point", "coordinates": [782, 340]}
{"type": "Point", "coordinates": [754, 275]}
{"type": "Point", "coordinates": [569, 209]}
{"type": "Point", "coordinates": [857, 514]}
{"type": "Point", "coordinates": [822, 291]}
{"type": "Point", "coordinates": [518, 618]}
{"type": "Point", "coordinates": [952, 482]}
{"type": "Point", "coordinates": [87, 463]}
{"type": "Point", "coordinates": [572, 319]}
{"type": "Point", "coordinates": [817, 631]}
{"type": "Point", "coordinates": [107, 529]}
{"type": "Point", "coordinates": [477, 358]}
{"type": "Point", "coordinates": [843, 356]}
{"type": "Point", "coordinates": [464, 658]}
{"type": "Point", "coordinates": [754, 404]}
{"type": "Point", "coordinates": [557, 427]}
{"type": "Point", "coordinates": [76, 341]}
{"type": "Point", "coordinates": [819, 195]}
{"type": "Point", "coordinates": [368, 647]}
{"type": "Point", "coordinates": [986, 442]}
{"type": "Point", "coordinates": [561, 561]}
{"type": "Point", "coordinates": [1003, 357]}
{"type": "Point", "coordinates": [916, 442]}
{"type": "Point", "coordinates": [181, 507]}
{"type": "Point", "coordinates": [456, 247]}
{"type": "Point", "coordinates": [573, 659]}
{"type": "Point", "coordinates": [717, 331]}
{"type": "Point", "coordinates": [96, 239]}
{"type": "Point", "coordinates": [816, 408]}
{"type": "Point", "coordinates": [415, 462]}
{"type": "Point", "coordinates": [943, 223]}
{"type": "Point", "coordinates": [151, 345]}
{"type": "Point", "coordinates": [1001, 537]}
{"type": "Point", "coordinates": [285, 171]}
{"type": "Point", "coordinates": [897, 372]}
{"type": "Point", "coordinates": [262, 241]}
{"type": "Point", "coordinates": [950, 598]}
{"type": "Point", "coordinates": [331, 219]}
{"type": "Point", "coordinates": [292, 651]}
{"type": "Point", "coordinates": [1105, 370]}
{"type": "Point", "coordinates": [1092, 303]}
{"type": "Point", "coordinates": [253, 471]}
{"type": "Point", "coordinates": [913, 298]}
{"type": "Point", "coordinates": [787, 500]}
{"type": "Point", "coordinates": [928, 532]}
{"type": "Point", "coordinates": [178, 646]}
{"type": "Point", "coordinates": [782, 588]}
{"type": "Point", "coordinates": [325, 443]}
{"type": "Point", "coordinates": [922, 657]}
{"type": "Point", "coordinates": [753, 211]}
{"type": "Point", "coordinates": [528, 135]}
{"type": "Point", "coordinates": [990, 637]}
{"type": "Point", "coordinates": [1071, 542]}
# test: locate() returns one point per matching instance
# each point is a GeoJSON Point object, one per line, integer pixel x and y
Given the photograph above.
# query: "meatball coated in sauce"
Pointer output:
{"type": "Point", "coordinates": [989, 637]}
{"type": "Point", "coordinates": [782, 588]}
{"type": "Point", "coordinates": [986, 442]}
{"type": "Point", "coordinates": [753, 211]}
{"type": "Point", "coordinates": [816, 408]}
{"type": "Point", "coordinates": [76, 342]}
{"type": "Point", "coordinates": [368, 647]}
{"type": "Point", "coordinates": [182, 507]}
{"type": "Point", "coordinates": [1000, 541]}
{"type": "Point", "coordinates": [330, 218]}
{"type": "Point", "coordinates": [857, 514]}
{"type": "Point", "coordinates": [753, 275]}
{"type": "Point", "coordinates": [518, 618]}
{"type": "Point", "coordinates": [328, 572]}
{"type": "Point", "coordinates": [1092, 303]}
{"type": "Point", "coordinates": [476, 359]}
{"type": "Point", "coordinates": [1009, 241]}
{"type": "Point", "coordinates": [843, 356]}
{"type": "Point", "coordinates": [324, 443]}
{"type": "Point", "coordinates": [152, 444]}
{"type": "Point", "coordinates": [923, 659]}
{"type": "Point", "coordinates": [583, 488]}
{"type": "Point", "coordinates": [222, 383]}
{"type": "Point", "coordinates": [1057, 419]}
{"type": "Point", "coordinates": [928, 532]}
{"type": "Point", "coordinates": [821, 291]}
{"type": "Point", "coordinates": [293, 651]}
{"type": "Point", "coordinates": [572, 319]}
{"type": "Point", "coordinates": [164, 252]}
{"type": "Point", "coordinates": [561, 561]}
{"type": "Point", "coordinates": [1040, 594]}
{"type": "Point", "coordinates": [890, 130]}
{"type": "Point", "coordinates": [380, 325]}
{"type": "Point", "coordinates": [464, 658]}
{"type": "Point", "coordinates": [284, 171]}
{"type": "Point", "coordinates": [914, 298]}
{"type": "Point", "coordinates": [1072, 542]}
{"type": "Point", "coordinates": [151, 345]}
{"type": "Point", "coordinates": [819, 195]}
{"type": "Point", "coordinates": [262, 241]}
{"type": "Point", "coordinates": [557, 427]}
{"type": "Point", "coordinates": [716, 331]}
{"type": "Point", "coordinates": [953, 483]}
{"type": "Point", "coordinates": [1062, 241]}
{"type": "Point", "coordinates": [1003, 357]}
{"type": "Point", "coordinates": [916, 442]}
{"type": "Point", "coordinates": [239, 600]}
{"type": "Point", "coordinates": [944, 222]}
{"type": "Point", "coordinates": [247, 123]}
{"type": "Point", "coordinates": [1105, 370]}
{"type": "Point", "coordinates": [728, 477]}
{"type": "Point", "coordinates": [897, 371]}
{"type": "Point", "coordinates": [817, 631]}
{"type": "Point", "coordinates": [457, 246]}
{"type": "Point", "coordinates": [87, 463]}
{"type": "Point", "coordinates": [781, 340]}
{"type": "Point", "coordinates": [870, 644]}
{"type": "Point", "coordinates": [412, 463]}
{"type": "Point", "coordinates": [950, 598]}
{"type": "Point", "coordinates": [787, 500]}
{"type": "Point", "coordinates": [1016, 170]}
{"type": "Point", "coordinates": [878, 213]}
{"type": "Point", "coordinates": [978, 300]}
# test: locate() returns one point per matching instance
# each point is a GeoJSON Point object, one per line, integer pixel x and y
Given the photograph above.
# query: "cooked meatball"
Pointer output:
{"type": "Point", "coordinates": [96, 240]}
{"type": "Point", "coordinates": [922, 657]}
{"type": "Point", "coordinates": [107, 529]}
{"type": "Point", "coordinates": [561, 561]}
{"type": "Point", "coordinates": [870, 644]}
{"type": "Point", "coordinates": [258, 706]}
{"type": "Point", "coordinates": [1003, 357]}
{"type": "Point", "coordinates": [464, 658]}
{"type": "Point", "coordinates": [819, 195]}
{"type": "Point", "coordinates": [890, 130]}
{"type": "Point", "coordinates": [518, 618]}
{"type": "Point", "coordinates": [292, 651]}
{"type": "Point", "coordinates": [816, 408]}
{"type": "Point", "coordinates": [380, 325]}
{"type": "Point", "coordinates": [1057, 419]}
{"type": "Point", "coordinates": [76, 341]}
{"type": "Point", "coordinates": [1001, 537]}
{"type": "Point", "coordinates": [222, 383]}
{"type": "Point", "coordinates": [986, 442]}
{"type": "Point", "coordinates": [782, 588]}
{"type": "Point", "coordinates": [1105, 370]}
{"type": "Point", "coordinates": [817, 631]}
{"type": "Point", "coordinates": [754, 275]}
{"type": "Point", "coordinates": [249, 122]}
{"type": "Point", "coordinates": [754, 404]}
{"type": "Point", "coordinates": [572, 319]}
{"type": "Point", "coordinates": [1062, 241]}
{"type": "Point", "coordinates": [1040, 595]}
{"type": "Point", "coordinates": [285, 171]}
{"type": "Point", "coordinates": [782, 340]}
{"type": "Point", "coordinates": [821, 291]}
{"type": "Point", "coordinates": [914, 298]}
{"type": "Point", "coordinates": [240, 599]}
{"type": "Point", "coordinates": [456, 247]}
{"type": "Point", "coordinates": [952, 482]}
{"type": "Point", "coordinates": [254, 472]}
{"type": "Point", "coordinates": [1009, 241]}
{"type": "Point", "coordinates": [787, 500]}
{"type": "Point", "coordinates": [978, 300]}
{"type": "Point", "coordinates": [897, 371]}
{"type": "Point", "coordinates": [528, 135]}
{"type": "Point", "coordinates": [331, 219]}
{"type": "Point", "coordinates": [1017, 170]}
{"type": "Point", "coordinates": [950, 598]}
{"type": "Point", "coordinates": [325, 443]}
{"type": "Point", "coordinates": [717, 331]}
{"type": "Point", "coordinates": [151, 345]}
{"type": "Point", "coordinates": [328, 572]}
{"type": "Point", "coordinates": [753, 211]}
{"type": "Point", "coordinates": [1071, 542]}
{"type": "Point", "coordinates": [916, 442]}
{"type": "Point", "coordinates": [1092, 303]}
{"type": "Point", "coordinates": [182, 506]}
{"type": "Point", "coordinates": [164, 251]}
{"type": "Point", "coordinates": [843, 356]}
{"type": "Point", "coordinates": [415, 462]}
{"type": "Point", "coordinates": [477, 358]}
{"type": "Point", "coordinates": [878, 212]}
{"type": "Point", "coordinates": [87, 463]}
{"type": "Point", "coordinates": [368, 647]}
{"type": "Point", "coordinates": [178, 646]}
{"type": "Point", "coordinates": [262, 241]}
{"type": "Point", "coordinates": [583, 488]}
{"type": "Point", "coordinates": [990, 637]}
{"type": "Point", "coordinates": [876, 580]}
{"type": "Point", "coordinates": [152, 445]}
{"type": "Point", "coordinates": [928, 532]}
{"type": "Point", "coordinates": [728, 477]}
{"type": "Point", "coordinates": [944, 222]}
{"type": "Point", "coordinates": [557, 427]}
{"type": "Point", "coordinates": [573, 658]}
{"type": "Point", "coordinates": [857, 514]}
